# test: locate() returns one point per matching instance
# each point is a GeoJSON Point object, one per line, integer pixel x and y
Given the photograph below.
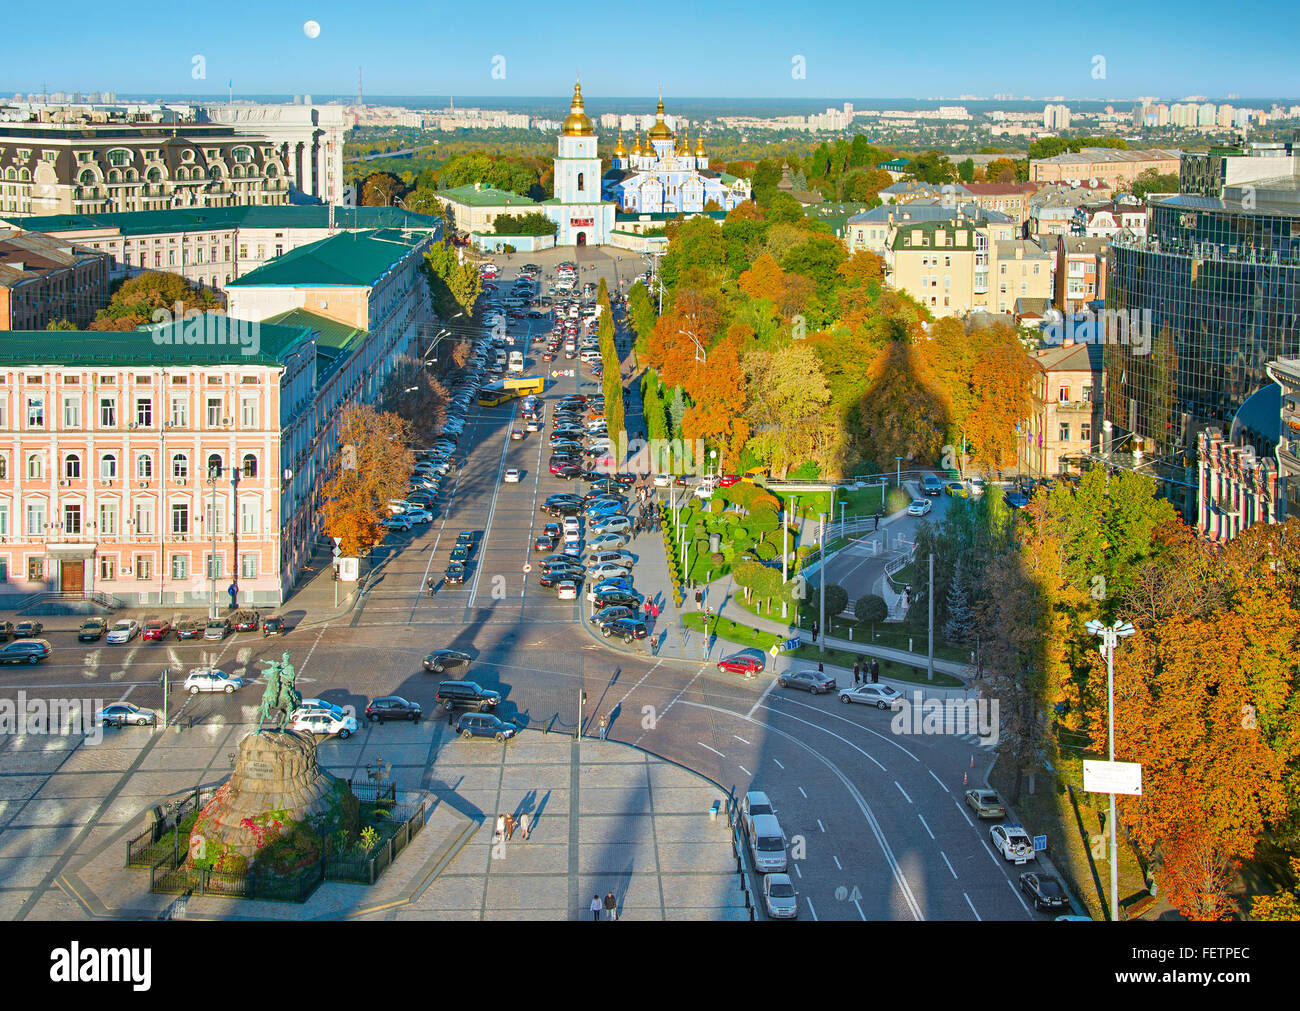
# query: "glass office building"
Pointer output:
{"type": "Point", "coordinates": [1212, 295]}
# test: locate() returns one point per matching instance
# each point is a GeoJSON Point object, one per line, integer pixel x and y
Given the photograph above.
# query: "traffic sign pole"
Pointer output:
{"type": "Point", "coordinates": [334, 565]}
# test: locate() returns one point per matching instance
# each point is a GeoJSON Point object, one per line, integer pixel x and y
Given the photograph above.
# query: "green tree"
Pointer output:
{"type": "Point", "coordinates": [59, 324]}
{"type": "Point", "coordinates": [153, 297]}
{"type": "Point", "coordinates": [932, 167]}
{"type": "Point", "coordinates": [837, 599]}
{"type": "Point", "coordinates": [380, 189]}
{"type": "Point", "coordinates": [783, 208]}
{"type": "Point", "coordinates": [1152, 181]}
{"type": "Point", "coordinates": [424, 200]}
{"type": "Point", "coordinates": [966, 170]}
{"type": "Point", "coordinates": [871, 609]}
{"type": "Point", "coordinates": [532, 223]}
{"type": "Point", "coordinates": [455, 286]}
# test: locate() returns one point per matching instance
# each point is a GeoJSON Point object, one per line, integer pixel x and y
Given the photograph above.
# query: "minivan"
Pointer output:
{"type": "Point", "coordinates": [767, 844]}
{"type": "Point", "coordinates": [931, 485]}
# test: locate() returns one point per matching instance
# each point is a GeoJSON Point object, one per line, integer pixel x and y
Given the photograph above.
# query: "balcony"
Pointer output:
{"type": "Point", "coordinates": [1076, 406]}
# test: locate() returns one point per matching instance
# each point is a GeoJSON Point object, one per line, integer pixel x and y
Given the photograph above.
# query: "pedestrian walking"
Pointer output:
{"type": "Point", "coordinates": [815, 629]}
{"type": "Point", "coordinates": [875, 672]}
{"type": "Point", "coordinates": [501, 828]}
{"type": "Point", "coordinates": [820, 668]}
{"type": "Point", "coordinates": [510, 826]}
{"type": "Point", "coordinates": [611, 906]}
{"type": "Point", "coordinates": [699, 599]}
{"type": "Point", "coordinates": [429, 583]}
{"type": "Point", "coordinates": [523, 825]}
{"type": "Point", "coordinates": [857, 672]}
{"type": "Point", "coordinates": [604, 728]}
{"type": "Point", "coordinates": [595, 907]}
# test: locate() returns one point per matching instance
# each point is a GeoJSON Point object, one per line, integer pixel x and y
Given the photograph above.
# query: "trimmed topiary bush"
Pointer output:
{"type": "Point", "coordinates": [766, 551]}
{"type": "Point", "coordinates": [730, 517]}
{"type": "Point", "coordinates": [871, 609]}
{"type": "Point", "coordinates": [716, 506]}
{"type": "Point", "coordinates": [762, 520]}
{"type": "Point", "coordinates": [717, 560]}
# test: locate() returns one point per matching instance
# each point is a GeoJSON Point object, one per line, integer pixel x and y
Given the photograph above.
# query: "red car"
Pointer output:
{"type": "Point", "coordinates": [548, 356]}
{"type": "Point", "coordinates": [517, 314]}
{"type": "Point", "coordinates": [742, 663]}
{"type": "Point", "coordinates": [156, 628]}
{"type": "Point", "coordinates": [727, 480]}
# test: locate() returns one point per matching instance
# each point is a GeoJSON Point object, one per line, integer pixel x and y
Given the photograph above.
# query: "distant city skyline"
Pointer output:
{"type": "Point", "coordinates": [819, 50]}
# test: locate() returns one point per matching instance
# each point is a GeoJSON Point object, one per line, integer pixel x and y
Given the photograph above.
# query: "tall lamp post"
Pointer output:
{"type": "Point", "coordinates": [785, 548]}
{"type": "Point", "coordinates": [214, 472]}
{"type": "Point", "coordinates": [234, 533]}
{"type": "Point", "coordinates": [821, 586]}
{"type": "Point", "coordinates": [1110, 636]}
{"type": "Point", "coordinates": [898, 472]}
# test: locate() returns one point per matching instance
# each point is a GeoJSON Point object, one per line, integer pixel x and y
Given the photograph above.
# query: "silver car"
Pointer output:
{"type": "Point", "coordinates": [779, 897]}
{"type": "Point", "coordinates": [878, 695]}
{"type": "Point", "coordinates": [211, 679]}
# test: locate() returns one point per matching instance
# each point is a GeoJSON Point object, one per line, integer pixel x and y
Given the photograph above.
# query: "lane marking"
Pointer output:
{"type": "Point", "coordinates": [923, 822]}
{"type": "Point", "coordinates": [736, 736]}
{"type": "Point", "coordinates": [820, 825]}
{"type": "Point", "coordinates": [972, 907]}
{"type": "Point", "coordinates": [938, 780]}
{"type": "Point", "coordinates": [963, 812]}
{"type": "Point", "coordinates": [835, 716]}
{"type": "Point", "coordinates": [992, 856]}
{"type": "Point", "coordinates": [707, 748]}
{"type": "Point", "coordinates": [799, 872]}
{"type": "Point", "coordinates": [810, 907]}
{"type": "Point", "coordinates": [492, 508]}
{"type": "Point", "coordinates": [766, 691]}
{"type": "Point", "coordinates": [1016, 892]}
{"type": "Point", "coordinates": [744, 770]}
{"type": "Point", "coordinates": [902, 791]}
{"type": "Point", "coordinates": [949, 863]}
{"type": "Point", "coordinates": [838, 865]}
{"type": "Point", "coordinates": [778, 762]}
{"type": "Point", "coordinates": [805, 796]}
{"type": "Point", "coordinates": [860, 912]}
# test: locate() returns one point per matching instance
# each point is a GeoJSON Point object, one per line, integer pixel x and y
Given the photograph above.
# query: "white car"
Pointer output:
{"type": "Point", "coordinates": [416, 515]}
{"type": "Point", "coordinates": [1013, 842]}
{"type": "Point", "coordinates": [880, 696]}
{"type": "Point", "coordinates": [606, 570]}
{"type": "Point", "coordinates": [396, 523]}
{"type": "Point", "coordinates": [211, 679]}
{"type": "Point", "coordinates": [126, 714]}
{"type": "Point", "coordinates": [571, 525]}
{"type": "Point", "coordinates": [919, 507]}
{"type": "Point", "coordinates": [606, 542]}
{"type": "Point", "coordinates": [976, 486]}
{"type": "Point", "coordinates": [663, 480]}
{"type": "Point", "coordinates": [123, 631]}
{"type": "Point", "coordinates": [779, 897]}
{"type": "Point", "coordinates": [511, 476]}
{"type": "Point", "coordinates": [612, 525]}
{"type": "Point", "coordinates": [323, 722]}
{"type": "Point", "coordinates": [567, 590]}
{"type": "Point", "coordinates": [309, 706]}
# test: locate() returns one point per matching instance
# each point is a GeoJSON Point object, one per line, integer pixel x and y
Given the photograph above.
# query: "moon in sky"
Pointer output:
{"type": "Point", "coordinates": [311, 29]}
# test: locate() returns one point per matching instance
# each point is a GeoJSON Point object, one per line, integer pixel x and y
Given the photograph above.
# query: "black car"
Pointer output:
{"type": "Point", "coordinates": [560, 574]}
{"type": "Point", "coordinates": [544, 542]}
{"type": "Point", "coordinates": [563, 509]}
{"type": "Point", "coordinates": [485, 725]}
{"type": "Point", "coordinates": [188, 628]}
{"type": "Point", "coordinates": [273, 625]}
{"type": "Point", "coordinates": [561, 497]}
{"type": "Point", "coordinates": [465, 537]}
{"type": "Point", "coordinates": [455, 573]}
{"type": "Point", "coordinates": [617, 598]}
{"type": "Point", "coordinates": [393, 707]}
{"type": "Point", "coordinates": [92, 630]}
{"type": "Point", "coordinates": [25, 651]}
{"type": "Point", "coordinates": [460, 553]}
{"type": "Point", "coordinates": [244, 621]}
{"type": "Point", "coordinates": [569, 472]}
{"type": "Point", "coordinates": [27, 629]}
{"type": "Point", "coordinates": [441, 660]}
{"type": "Point", "coordinates": [552, 560]}
{"type": "Point", "coordinates": [814, 682]}
{"type": "Point", "coordinates": [626, 629]}
{"type": "Point", "coordinates": [466, 695]}
{"type": "Point", "coordinates": [607, 614]}
{"type": "Point", "coordinates": [1045, 890]}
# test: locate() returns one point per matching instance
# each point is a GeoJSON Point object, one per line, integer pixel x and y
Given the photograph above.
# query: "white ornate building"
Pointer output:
{"type": "Point", "coordinates": [667, 177]}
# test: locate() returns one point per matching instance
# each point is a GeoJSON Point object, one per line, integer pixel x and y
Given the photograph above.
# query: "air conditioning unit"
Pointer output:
{"type": "Point", "coordinates": [132, 424]}
{"type": "Point", "coordinates": [105, 481]}
{"type": "Point", "coordinates": [144, 484]}
{"type": "Point", "coordinates": [64, 483]}
{"type": "Point", "coordinates": [181, 481]}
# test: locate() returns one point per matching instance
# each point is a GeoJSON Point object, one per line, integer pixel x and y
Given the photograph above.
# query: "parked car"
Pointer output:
{"type": "Point", "coordinates": [27, 628]}
{"type": "Point", "coordinates": [396, 523]}
{"type": "Point", "coordinates": [485, 725]}
{"type": "Point", "coordinates": [608, 614]}
{"type": "Point", "coordinates": [955, 489]}
{"type": "Point", "coordinates": [985, 804]}
{"type": "Point", "coordinates": [779, 898]}
{"type": "Point", "coordinates": [611, 525]}
{"type": "Point", "coordinates": [1013, 842]}
{"type": "Point", "coordinates": [627, 629]}
{"type": "Point", "coordinates": [607, 542]}
{"type": "Point", "coordinates": [567, 589]}
{"type": "Point", "coordinates": [1044, 890]}
{"type": "Point", "coordinates": [466, 695]}
{"type": "Point", "coordinates": [216, 630]}
{"type": "Point", "coordinates": [211, 679]}
{"type": "Point", "coordinates": [617, 598]}
{"type": "Point", "coordinates": [188, 628]}
{"type": "Point", "coordinates": [92, 629]}
{"type": "Point", "coordinates": [156, 629]}
{"type": "Point", "coordinates": [878, 695]}
{"type": "Point", "coordinates": [324, 724]}
{"type": "Point", "coordinates": [442, 660]}
{"type": "Point", "coordinates": [123, 631]}
{"type": "Point", "coordinates": [274, 625]}
{"type": "Point", "coordinates": [30, 651]}
{"type": "Point", "coordinates": [811, 681]}
{"type": "Point", "coordinates": [931, 485]}
{"type": "Point", "coordinates": [393, 707]}
{"type": "Point", "coordinates": [126, 714]}
{"type": "Point", "coordinates": [6, 630]}
{"type": "Point", "coordinates": [748, 664]}
{"type": "Point", "coordinates": [244, 621]}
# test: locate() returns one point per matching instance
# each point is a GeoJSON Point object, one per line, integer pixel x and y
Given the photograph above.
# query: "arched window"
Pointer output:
{"type": "Point", "coordinates": [180, 467]}
{"type": "Point", "coordinates": [581, 178]}
{"type": "Point", "coordinates": [4, 469]}
{"type": "Point", "coordinates": [108, 466]}
{"type": "Point", "coordinates": [144, 467]}
{"type": "Point", "coordinates": [214, 464]}
{"type": "Point", "coordinates": [35, 467]}
{"type": "Point", "coordinates": [87, 178]}
{"type": "Point", "coordinates": [72, 466]}
{"type": "Point", "coordinates": [154, 175]}
{"type": "Point", "coordinates": [250, 465]}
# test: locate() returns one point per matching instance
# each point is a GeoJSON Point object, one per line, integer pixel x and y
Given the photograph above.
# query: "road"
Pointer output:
{"type": "Point", "coordinates": [875, 819]}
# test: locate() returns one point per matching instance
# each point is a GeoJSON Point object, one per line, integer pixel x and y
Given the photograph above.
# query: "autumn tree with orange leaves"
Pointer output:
{"type": "Point", "coordinates": [370, 469]}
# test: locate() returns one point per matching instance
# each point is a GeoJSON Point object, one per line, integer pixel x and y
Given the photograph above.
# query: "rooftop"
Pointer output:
{"type": "Point", "coordinates": [335, 341]}
{"type": "Point", "coordinates": [25, 257]}
{"type": "Point", "coordinates": [349, 259]}
{"type": "Point", "coordinates": [1110, 155]}
{"type": "Point", "coordinates": [1071, 356]}
{"type": "Point", "coordinates": [929, 236]}
{"type": "Point", "coordinates": [928, 210]}
{"type": "Point", "coordinates": [205, 219]}
{"type": "Point", "coordinates": [206, 339]}
{"type": "Point", "coordinates": [474, 195]}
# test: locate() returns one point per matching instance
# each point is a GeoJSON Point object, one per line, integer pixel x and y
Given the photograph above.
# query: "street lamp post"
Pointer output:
{"type": "Point", "coordinates": [213, 473]}
{"type": "Point", "coordinates": [898, 472]}
{"type": "Point", "coordinates": [234, 532]}
{"type": "Point", "coordinates": [785, 548]}
{"type": "Point", "coordinates": [821, 587]}
{"type": "Point", "coordinates": [1110, 636]}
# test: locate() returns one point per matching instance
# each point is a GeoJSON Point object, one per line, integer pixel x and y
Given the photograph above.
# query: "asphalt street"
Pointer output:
{"type": "Point", "coordinates": [875, 819]}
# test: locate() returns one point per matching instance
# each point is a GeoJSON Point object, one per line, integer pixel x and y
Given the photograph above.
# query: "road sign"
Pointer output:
{"type": "Point", "coordinates": [1112, 777]}
{"type": "Point", "coordinates": [1040, 843]}
{"type": "Point", "coordinates": [793, 643]}
{"type": "Point", "coordinates": [349, 570]}
{"type": "Point", "coordinates": [527, 568]}
{"type": "Point", "coordinates": [774, 650]}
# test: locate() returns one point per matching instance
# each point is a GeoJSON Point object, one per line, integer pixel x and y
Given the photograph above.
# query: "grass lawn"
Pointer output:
{"type": "Point", "coordinates": [863, 502]}
{"type": "Point", "coordinates": [742, 635]}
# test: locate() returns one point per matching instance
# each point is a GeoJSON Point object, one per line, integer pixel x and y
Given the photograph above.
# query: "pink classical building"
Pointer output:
{"type": "Point", "coordinates": [159, 465]}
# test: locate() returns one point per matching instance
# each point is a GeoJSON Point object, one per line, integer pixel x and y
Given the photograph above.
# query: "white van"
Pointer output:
{"type": "Point", "coordinates": [516, 361]}
{"type": "Point", "coordinates": [707, 487]}
{"type": "Point", "coordinates": [767, 844]}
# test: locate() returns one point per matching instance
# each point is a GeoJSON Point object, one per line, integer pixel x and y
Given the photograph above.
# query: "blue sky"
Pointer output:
{"type": "Point", "coordinates": [691, 47]}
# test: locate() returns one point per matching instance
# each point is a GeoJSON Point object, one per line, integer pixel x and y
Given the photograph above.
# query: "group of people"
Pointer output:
{"type": "Point", "coordinates": [609, 904]}
{"type": "Point", "coordinates": [506, 825]}
{"type": "Point", "coordinates": [861, 669]}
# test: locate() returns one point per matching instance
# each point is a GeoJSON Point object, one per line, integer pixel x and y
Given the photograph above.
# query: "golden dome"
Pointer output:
{"type": "Point", "coordinates": [636, 147]}
{"type": "Point", "coordinates": [699, 145]}
{"type": "Point", "coordinates": [619, 150]}
{"type": "Point", "coordinates": [576, 123]}
{"type": "Point", "coordinates": [660, 130]}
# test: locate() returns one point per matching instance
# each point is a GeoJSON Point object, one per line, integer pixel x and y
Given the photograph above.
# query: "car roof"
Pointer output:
{"type": "Point", "coordinates": [766, 824]}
